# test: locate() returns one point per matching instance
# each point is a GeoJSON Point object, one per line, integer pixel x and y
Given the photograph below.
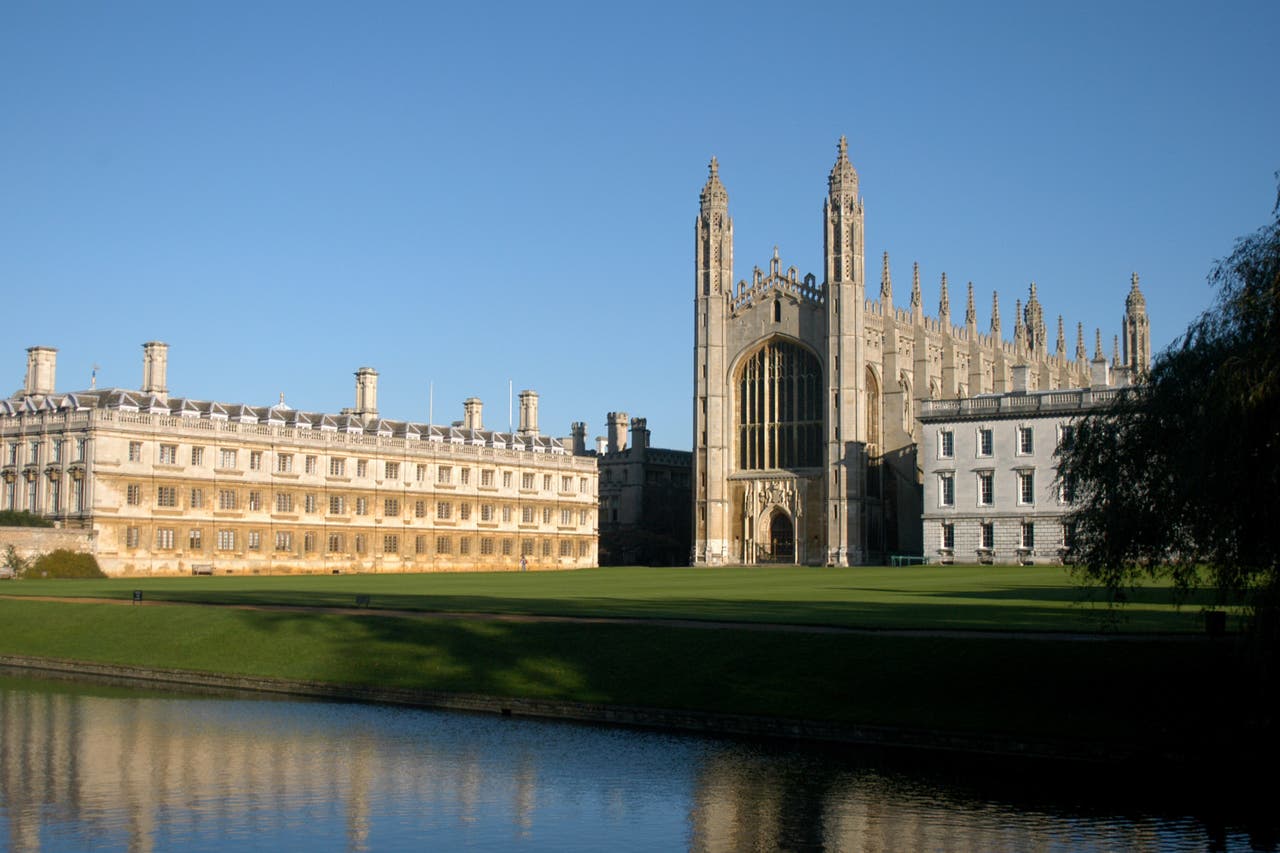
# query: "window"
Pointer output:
{"type": "Point", "coordinates": [133, 495]}
{"type": "Point", "coordinates": [255, 460]}
{"type": "Point", "coordinates": [486, 512]}
{"type": "Point", "coordinates": [197, 499]}
{"type": "Point", "coordinates": [391, 508]}
{"type": "Point", "coordinates": [948, 536]}
{"type": "Point", "coordinates": [526, 515]}
{"type": "Point", "coordinates": [946, 490]}
{"type": "Point", "coordinates": [778, 410]}
{"type": "Point", "coordinates": [255, 501]}
{"type": "Point", "coordinates": [486, 477]}
{"type": "Point", "coordinates": [226, 540]}
{"type": "Point", "coordinates": [506, 547]}
{"type": "Point", "coordinates": [309, 464]}
{"type": "Point", "coordinates": [335, 505]}
{"type": "Point", "coordinates": [1028, 538]}
{"type": "Point", "coordinates": [310, 504]}
{"type": "Point", "coordinates": [985, 444]}
{"type": "Point", "coordinates": [443, 545]}
{"type": "Point", "coordinates": [546, 547]}
{"type": "Point", "coordinates": [33, 453]}
{"type": "Point", "coordinates": [284, 463]}
{"type": "Point", "coordinates": [506, 479]}
{"type": "Point", "coordinates": [1026, 487]}
{"type": "Point", "coordinates": [55, 494]}
{"type": "Point", "coordinates": [546, 515]}
{"type": "Point", "coordinates": [197, 456]}
{"type": "Point", "coordinates": [582, 548]}
{"type": "Point", "coordinates": [284, 540]}
{"type": "Point", "coordinates": [57, 450]}
{"type": "Point", "coordinates": [82, 449]}
{"type": "Point", "coordinates": [309, 542]}
{"type": "Point", "coordinates": [168, 454]}
{"type": "Point", "coordinates": [391, 544]}
{"type": "Point", "coordinates": [195, 539]}
{"type": "Point", "coordinates": [1026, 443]}
{"type": "Point", "coordinates": [486, 546]}
{"type": "Point", "coordinates": [419, 544]}
{"type": "Point", "coordinates": [1066, 436]}
{"type": "Point", "coordinates": [167, 496]}
{"type": "Point", "coordinates": [284, 502]}
{"type": "Point", "coordinates": [337, 465]}
{"type": "Point", "coordinates": [335, 543]}
{"type": "Point", "coordinates": [566, 484]}
{"type": "Point", "coordinates": [164, 538]}
{"type": "Point", "coordinates": [464, 512]}
{"type": "Point", "coordinates": [582, 485]}
{"type": "Point", "coordinates": [422, 473]}
{"type": "Point", "coordinates": [566, 548]}
{"type": "Point", "coordinates": [582, 517]}
{"type": "Point", "coordinates": [1067, 489]}
{"type": "Point", "coordinates": [227, 459]}
{"type": "Point", "coordinates": [131, 537]}
{"type": "Point", "coordinates": [1069, 535]}
{"type": "Point", "coordinates": [464, 545]}
{"type": "Point", "coordinates": [255, 540]}
{"type": "Point", "coordinates": [986, 536]}
{"type": "Point", "coordinates": [986, 488]}
{"type": "Point", "coordinates": [392, 470]}
{"type": "Point", "coordinates": [506, 514]}
{"type": "Point", "coordinates": [946, 444]}
{"type": "Point", "coordinates": [526, 481]}
{"type": "Point", "coordinates": [526, 547]}
{"type": "Point", "coordinates": [566, 517]}
{"type": "Point", "coordinates": [443, 509]}
{"type": "Point", "coordinates": [360, 543]}
{"type": "Point", "coordinates": [362, 467]}
{"type": "Point", "coordinates": [464, 476]}
{"type": "Point", "coordinates": [226, 499]}
{"type": "Point", "coordinates": [420, 509]}
{"type": "Point", "coordinates": [546, 482]}
{"type": "Point", "coordinates": [444, 474]}
{"type": "Point", "coordinates": [135, 452]}
{"type": "Point", "coordinates": [362, 506]}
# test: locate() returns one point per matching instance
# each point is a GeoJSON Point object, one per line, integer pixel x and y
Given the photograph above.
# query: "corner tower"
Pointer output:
{"type": "Point", "coordinates": [1136, 329]}
{"type": "Point", "coordinates": [713, 280]}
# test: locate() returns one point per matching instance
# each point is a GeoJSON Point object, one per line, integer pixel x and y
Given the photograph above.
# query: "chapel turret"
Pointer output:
{"type": "Point", "coordinates": [1137, 331]}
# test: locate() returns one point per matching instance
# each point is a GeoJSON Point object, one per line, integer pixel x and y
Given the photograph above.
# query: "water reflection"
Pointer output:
{"type": "Point", "coordinates": [84, 767]}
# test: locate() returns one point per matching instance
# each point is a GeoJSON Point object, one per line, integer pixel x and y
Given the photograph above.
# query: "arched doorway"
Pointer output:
{"type": "Point", "coordinates": [782, 538]}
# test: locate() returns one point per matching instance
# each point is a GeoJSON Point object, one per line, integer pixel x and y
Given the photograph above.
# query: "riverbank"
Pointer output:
{"type": "Point", "coordinates": [1110, 700]}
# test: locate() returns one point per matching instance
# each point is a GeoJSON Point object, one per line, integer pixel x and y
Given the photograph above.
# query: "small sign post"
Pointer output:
{"type": "Point", "coordinates": [137, 596]}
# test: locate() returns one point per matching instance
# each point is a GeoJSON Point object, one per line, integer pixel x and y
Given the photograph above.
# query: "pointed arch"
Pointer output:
{"type": "Point", "coordinates": [779, 405]}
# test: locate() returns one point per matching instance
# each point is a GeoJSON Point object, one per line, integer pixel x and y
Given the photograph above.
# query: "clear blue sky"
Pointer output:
{"type": "Point", "coordinates": [468, 194]}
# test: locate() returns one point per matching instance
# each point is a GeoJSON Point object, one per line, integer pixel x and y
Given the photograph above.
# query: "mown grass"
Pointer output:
{"type": "Point", "coordinates": [1140, 692]}
{"type": "Point", "coordinates": [1007, 598]}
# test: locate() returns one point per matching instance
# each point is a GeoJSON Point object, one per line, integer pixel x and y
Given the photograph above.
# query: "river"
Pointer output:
{"type": "Point", "coordinates": [86, 766]}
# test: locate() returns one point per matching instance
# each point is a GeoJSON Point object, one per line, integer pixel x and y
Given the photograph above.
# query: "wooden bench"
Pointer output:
{"type": "Point", "coordinates": [202, 568]}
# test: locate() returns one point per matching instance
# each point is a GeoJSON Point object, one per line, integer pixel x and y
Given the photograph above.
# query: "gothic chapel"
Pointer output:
{"type": "Point", "coordinates": [805, 392]}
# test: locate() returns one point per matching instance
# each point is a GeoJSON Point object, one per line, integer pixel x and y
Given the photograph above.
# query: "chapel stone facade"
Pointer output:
{"type": "Point", "coordinates": [807, 392]}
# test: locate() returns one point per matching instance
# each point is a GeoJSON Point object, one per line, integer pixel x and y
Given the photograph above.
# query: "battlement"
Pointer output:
{"type": "Point", "coordinates": [789, 282]}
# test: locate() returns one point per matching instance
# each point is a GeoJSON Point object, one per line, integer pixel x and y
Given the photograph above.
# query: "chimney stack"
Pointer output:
{"type": "Point", "coordinates": [42, 364]}
{"type": "Point", "coordinates": [155, 370]}
{"type": "Point", "coordinates": [529, 413]}
{"type": "Point", "coordinates": [578, 430]}
{"type": "Point", "coordinates": [471, 408]}
{"type": "Point", "coordinates": [366, 394]}
{"type": "Point", "coordinates": [616, 428]}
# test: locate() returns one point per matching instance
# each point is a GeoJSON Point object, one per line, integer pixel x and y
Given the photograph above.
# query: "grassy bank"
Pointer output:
{"type": "Point", "coordinates": [1146, 693]}
{"type": "Point", "coordinates": [1017, 598]}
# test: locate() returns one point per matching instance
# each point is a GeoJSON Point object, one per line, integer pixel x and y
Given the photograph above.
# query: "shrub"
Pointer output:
{"type": "Point", "coordinates": [65, 564]}
{"type": "Point", "coordinates": [22, 518]}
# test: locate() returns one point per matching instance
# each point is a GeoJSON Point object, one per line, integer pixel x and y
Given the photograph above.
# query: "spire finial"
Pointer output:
{"type": "Point", "coordinates": [1097, 345]}
{"type": "Point", "coordinates": [1081, 352]}
{"type": "Point", "coordinates": [915, 287]}
{"type": "Point", "coordinates": [1062, 338]}
{"type": "Point", "coordinates": [886, 282]}
{"type": "Point", "coordinates": [944, 302]}
{"type": "Point", "coordinates": [995, 313]}
{"type": "Point", "coordinates": [714, 196]}
{"type": "Point", "coordinates": [970, 313]}
{"type": "Point", "coordinates": [844, 147]}
{"type": "Point", "coordinates": [714, 168]}
{"type": "Point", "coordinates": [1115, 350]}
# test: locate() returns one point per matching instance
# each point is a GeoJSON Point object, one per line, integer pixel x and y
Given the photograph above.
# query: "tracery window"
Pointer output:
{"type": "Point", "coordinates": [779, 408]}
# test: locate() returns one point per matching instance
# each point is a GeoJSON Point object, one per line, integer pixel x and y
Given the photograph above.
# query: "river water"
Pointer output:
{"type": "Point", "coordinates": [92, 767]}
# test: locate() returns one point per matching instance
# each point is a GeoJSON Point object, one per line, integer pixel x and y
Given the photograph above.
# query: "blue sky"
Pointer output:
{"type": "Point", "coordinates": [467, 196]}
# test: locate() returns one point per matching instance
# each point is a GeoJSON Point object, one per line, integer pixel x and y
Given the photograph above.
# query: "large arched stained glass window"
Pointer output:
{"type": "Point", "coordinates": [779, 408]}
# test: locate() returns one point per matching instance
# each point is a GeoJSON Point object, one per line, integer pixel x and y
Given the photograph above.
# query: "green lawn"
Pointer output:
{"type": "Point", "coordinates": [1014, 598]}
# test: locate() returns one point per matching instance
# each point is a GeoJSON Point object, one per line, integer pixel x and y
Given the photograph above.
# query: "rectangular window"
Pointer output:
{"type": "Point", "coordinates": [526, 547]}
{"type": "Point", "coordinates": [135, 452]}
{"type": "Point", "coordinates": [420, 509]}
{"type": "Point", "coordinates": [362, 506]}
{"type": "Point", "coordinates": [360, 543]}
{"type": "Point", "coordinates": [422, 473]}
{"type": "Point", "coordinates": [1069, 535]}
{"type": "Point", "coordinates": [227, 459]}
{"type": "Point", "coordinates": [546, 547]}
{"type": "Point", "coordinates": [33, 453]}
{"type": "Point", "coordinates": [566, 484]}
{"type": "Point", "coordinates": [310, 504]}
{"type": "Point", "coordinates": [309, 465]}
{"type": "Point", "coordinates": [284, 463]}
{"type": "Point", "coordinates": [526, 515]}
{"type": "Point", "coordinates": [82, 449]}
{"type": "Point", "coordinates": [948, 536]}
{"type": "Point", "coordinates": [464, 512]}
{"type": "Point", "coordinates": [168, 454]}
{"type": "Point", "coordinates": [391, 508]}
{"type": "Point", "coordinates": [133, 495]}
{"type": "Point", "coordinates": [131, 537]}
{"type": "Point", "coordinates": [255, 460]}
{"type": "Point", "coordinates": [582, 485]}
{"type": "Point", "coordinates": [946, 490]}
{"type": "Point", "coordinates": [197, 456]}
{"type": "Point", "coordinates": [167, 496]}
{"type": "Point", "coordinates": [392, 470]}
{"type": "Point", "coordinates": [197, 499]}
{"type": "Point", "coordinates": [335, 543]}
{"type": "Point", "coordinates": [337, 465]}
{"type": "Point", "coordinates": [582, 548]}
{"type": "Point", "coordinates": [335, 505]}
{"type": "Point", "coordinates": [309, 542]}
{"type": "Point", "coordinates": [164, 538]}
{"type": "Point", "coordinates": [226, 499]}
{"type": "Point", "coordinates": [12, 458]}
{"type": "Point", "coordinates": [486, 512]}
{"type": "Point", "coordinates": [255, 501]}
{"type": "Point", "coordinates": [986, 536]}
{"type": "Point", "coordinates": [1066, 436]}
{"type": "Point", "coordinates": [255, 540]}
{"type": "Point", "coordinates": [195, 539]}
{"type": "Point", "coordinates": [946, 444]}
{"type": "Point", "coordinates": [443, 545]}
{"type": "Point", "coordinates": [985, 444]}
{"type": "Point", "coordinates": [566, 517]}
{"type": "Point", "coordinates": [486, 477]}
{"type": "Point", "coordinates": [419, 544]}
{"type": "Point", "coordinates": [362, 467]}
{"type": "Point", "coordinates": [444, 474]}
{"type": "Point", "coordinates": [1026, 487]}
{"type": "Point", "coordinates": [506, 515]}
{"type": "Point", "coordinates": [284, 540]}
{"type": "Point", "coordinates": [284, 502]}
{"type": "Point", "coordinates": [443, 509]}
{"type": "Point", "coordinates": [546, 515]}
{"type": "Point", "coordinates": [226, 540]}
{"type": "Point", "coordinates": [55, 494]}
{"type": "Point", "coordinates": [546, 483]}
{"type": "Point", "coordinates": [57, 450]}
{"type": "Point", "coordinates": [506, 547]}
{"type": "Point", "coordinates": [1067, 489]}
{"type": "Point", "coordinates": [1028, 534]}
{"type": "Point", "coordinates": [506, 479]}
{"type": "Point", "coordinates": [391, 544]}
{"type": "Point", "coordinates": [464, 546]}
{"type": "Point", "coordinates": [1026, 443]}
{"type": "Point", "coordinates": [526, 481]}
{"type": "Point", "coordinates": [986, 488]}
{"type": "Point", "coordinates": [464, 476]}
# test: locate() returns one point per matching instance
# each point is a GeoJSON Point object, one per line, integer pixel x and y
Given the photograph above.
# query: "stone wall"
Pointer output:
{"type": "Point", "coordinates": [33, 541]}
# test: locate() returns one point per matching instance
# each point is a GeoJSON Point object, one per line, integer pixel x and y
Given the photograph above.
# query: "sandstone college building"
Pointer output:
{"type": "Point", "coordinates": [175, 485]}
{"type": "Point", "coordinates": [807, 393]}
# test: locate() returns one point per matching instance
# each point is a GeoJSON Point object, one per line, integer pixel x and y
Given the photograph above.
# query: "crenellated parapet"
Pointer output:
{"type": "Point", "coordinates": [787, 281]}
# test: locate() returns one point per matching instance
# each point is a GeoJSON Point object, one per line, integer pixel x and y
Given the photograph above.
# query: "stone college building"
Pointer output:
{"type": "Point", "coordinates": [807, 393]}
